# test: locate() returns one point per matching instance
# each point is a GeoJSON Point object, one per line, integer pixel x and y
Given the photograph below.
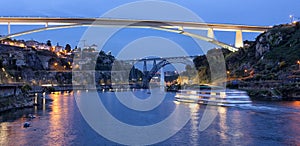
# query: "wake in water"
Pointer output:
{"type": "Point", "coordinates": [267, 108]}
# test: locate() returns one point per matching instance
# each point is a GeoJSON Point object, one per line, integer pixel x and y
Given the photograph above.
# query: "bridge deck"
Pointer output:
{"type": "Point", "coordinates": [126, 22]}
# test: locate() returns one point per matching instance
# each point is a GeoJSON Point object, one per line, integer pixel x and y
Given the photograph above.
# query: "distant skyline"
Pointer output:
{"type": "Point", "coordinates": [255, 12]}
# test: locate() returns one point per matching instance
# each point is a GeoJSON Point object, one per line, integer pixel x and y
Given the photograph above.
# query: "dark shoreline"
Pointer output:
{"type": "Point", "coordinates": [26, 102]}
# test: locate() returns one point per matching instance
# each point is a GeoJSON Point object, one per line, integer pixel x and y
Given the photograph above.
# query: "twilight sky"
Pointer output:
{"type": "Point", "coordinates": [254, 12]}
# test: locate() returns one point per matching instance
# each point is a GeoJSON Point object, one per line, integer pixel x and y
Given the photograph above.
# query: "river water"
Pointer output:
{"type": "Point", "coordinates": [60, 123]}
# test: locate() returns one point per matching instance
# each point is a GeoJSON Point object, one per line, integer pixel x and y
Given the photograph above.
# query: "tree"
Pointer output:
{"type": "Point", "coordinates": [68, 48]}
{"type": "Point", "coordinates": [49, 43]}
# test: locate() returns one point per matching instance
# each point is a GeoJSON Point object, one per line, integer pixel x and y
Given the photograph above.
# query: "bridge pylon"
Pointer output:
{"type": "Point", "coordinates": [210, 33]}
{"type": "Point", "coordinates": [8, 28]}
{"type": "Point", "coordinates": [145, 66]}
{"type": "Point", "coordinates": [239, 39]}
{"type": "Point", "coordinates": [154, 62]}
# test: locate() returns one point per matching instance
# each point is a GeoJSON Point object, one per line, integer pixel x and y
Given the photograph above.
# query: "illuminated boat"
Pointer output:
{"type": "Point", "coordinates": [226, 97]}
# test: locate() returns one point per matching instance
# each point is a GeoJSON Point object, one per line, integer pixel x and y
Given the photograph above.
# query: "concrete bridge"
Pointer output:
{"type": "Point", "coordinates": [169, 26]}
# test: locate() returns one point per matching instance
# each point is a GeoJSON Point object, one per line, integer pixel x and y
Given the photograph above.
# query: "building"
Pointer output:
{"type": "Point", "coordinates": [32, 43]}
{"type": "Point", "coordinates": [13, 43]}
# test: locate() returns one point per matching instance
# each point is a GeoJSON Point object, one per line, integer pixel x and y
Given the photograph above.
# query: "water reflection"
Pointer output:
{"type": "Point", "coordinates": [55, 121]}
{"type": "Point", "coordinates": [60, 123]}
{"type": "Point", "coordinates": [4, 133]}
{"type": "Point", "coordinates": [194, 111]}
{"type": "Point", "coordinates": [222, 112]}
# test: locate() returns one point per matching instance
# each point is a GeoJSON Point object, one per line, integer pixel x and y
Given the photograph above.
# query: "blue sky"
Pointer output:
{"type": "Point", "coordinates": [254, 12]}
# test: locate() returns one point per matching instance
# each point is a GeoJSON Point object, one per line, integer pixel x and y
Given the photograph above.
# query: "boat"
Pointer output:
{"type": "Point", "coordinates": [226, 97]}
{"type": "Point", "coordinates": [26, 124]}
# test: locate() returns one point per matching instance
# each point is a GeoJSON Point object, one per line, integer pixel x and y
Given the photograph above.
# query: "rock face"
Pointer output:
{"type": "Point", "coordinates": [262, 46]}
{"type": "Point", "coordinates": [273, 38]}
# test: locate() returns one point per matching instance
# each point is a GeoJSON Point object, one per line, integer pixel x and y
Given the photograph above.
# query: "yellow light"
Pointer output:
{"type": "Point", "coordinates": [298, 62]}
{"type": "Point", "coordinates": [55, 64]}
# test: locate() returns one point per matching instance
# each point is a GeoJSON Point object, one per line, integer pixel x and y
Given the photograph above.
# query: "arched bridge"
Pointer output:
{"type": "Point", "coordinates": [170, 26]}
{"type": "Point", "coordinates": [158, 63]}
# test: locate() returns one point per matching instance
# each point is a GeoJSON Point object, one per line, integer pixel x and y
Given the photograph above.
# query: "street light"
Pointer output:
{"type": "Point", "coordinates": [228, 74]}
{"type": "Point", "coordinates": [298, 62]}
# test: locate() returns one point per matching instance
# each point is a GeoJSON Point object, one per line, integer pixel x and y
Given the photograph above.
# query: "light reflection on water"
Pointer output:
{"type": "Point", "coordinates": [194, 108]}
{"type": "Point", "coordinates": [222, 123]}
{"type": "Point", "coordinates": [60, 123]}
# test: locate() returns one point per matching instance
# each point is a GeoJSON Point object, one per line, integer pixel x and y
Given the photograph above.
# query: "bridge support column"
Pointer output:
{"type": "Point", "coordinates": [145, 66]}
{"type": "Point", "coordinates": [154, 63]}
{"type": "Point", "coordinates": [8, 28]}
{"type": "Point", "coordinates": [162, 79]}
{"type": "Point", "coordinates": [132, 73]}
{"type": "Point", "coordinates": [46, 25]}
{"type": "Point", "coordinates": [210, 33]}
{"type": "Point", "coordinates": [239, 39]}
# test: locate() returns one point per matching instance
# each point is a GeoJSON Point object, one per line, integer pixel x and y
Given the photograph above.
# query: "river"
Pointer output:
{"type": "Point", "coordinates": [60, 123]}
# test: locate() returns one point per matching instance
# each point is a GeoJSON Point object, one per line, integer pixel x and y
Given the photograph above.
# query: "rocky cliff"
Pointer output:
{"type": "Point", "coordinates": [273, 55]}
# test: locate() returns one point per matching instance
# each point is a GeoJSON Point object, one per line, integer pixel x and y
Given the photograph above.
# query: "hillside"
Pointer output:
{"type": "Point", "coordinates": [272, 56]}
{"type": "Point", "coordinates": [268, 65]}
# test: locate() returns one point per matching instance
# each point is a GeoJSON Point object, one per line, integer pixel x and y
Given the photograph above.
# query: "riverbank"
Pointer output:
{"type": "Point", "coordinates": [273, 94]}
{"type": "Point", "coordinates": [21, 101]}
{"type": "Point", "coordinates": [269, 90]}
{"type": "Point", "coordinates": [16, 102]}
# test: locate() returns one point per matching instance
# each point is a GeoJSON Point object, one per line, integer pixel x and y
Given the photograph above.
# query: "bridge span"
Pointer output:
{"type": "Point", "coordinates": [170, 26]}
